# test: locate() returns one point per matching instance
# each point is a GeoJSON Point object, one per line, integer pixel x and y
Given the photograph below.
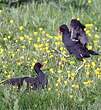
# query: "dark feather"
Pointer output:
{"type": "Point", "coordinates": [74, 47]}
{"type": "Point", "coordinates": [78, 32]}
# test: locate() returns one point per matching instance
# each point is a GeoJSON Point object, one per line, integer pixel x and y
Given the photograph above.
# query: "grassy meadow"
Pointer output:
{"type": "Point", "coordinates": [28, 34]}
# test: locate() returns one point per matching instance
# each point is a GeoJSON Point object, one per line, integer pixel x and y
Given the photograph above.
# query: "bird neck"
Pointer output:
{"type": "Point", "coordinates": [65, 32]}
{"type": "Point", "coordinates": [38, 70]}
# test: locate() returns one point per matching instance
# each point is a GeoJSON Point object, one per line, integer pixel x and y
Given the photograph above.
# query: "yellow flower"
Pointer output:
{"type": "Point", "coordinates": [49, 89]}
{"type": "Point", "coordinates": [64, 52]}
{"type": "Point", "coordinates": [71, 76]}
{"type": "Point", "coordinates": [8, 76]}
{"type": "Point", "coordinates": [99, 76]}
{"type": "Point", "coordinates": [42, 49]}
{"type": "Point", "coordinates": [57, 43]}
{"type": "Point", "coordinates": [40, 29]}
{"type": "Point", "coordinates": [65, 82]}
{"type": "Point", "coordinates": [30, 38]}
{"type": "Point", "coordinates": [96, 28]}
{"type": "Point", "coordinates": [38, 39]}
{"type": "Point", "coordinates": [23, 46]}
{"type": "Point", "coordinates": [13, 54]}
{"type": "Point", "coordinates": [18, 50]}
{"type": "Point", "coordinates": [59, 94]}
{"type": "Point", "coordinates": [87, 65]}
{"type": "Point", "coordinates": [59, 71]}
{"type": "Point", "coordinates": [97, 36]}
{"type": "Point", "coordinates": [35, 33]}
{"type": "Point", "coordinates": [71, 96]}
{"type": "Point", "coordinates": [11, 21]}
{"type": "Point", "coordinates": [18, 63]}
{"type": "Point", "coordinates": [87, 73]}
{"type": "Point", "coordinates": [61, 48]}
{"type": "Point", "coordinates": [57, 38]}
{"type": "Point", "coordinates": [9, 37]}
{"type": "Point", "coordinates": [88, 82]}
{"type": "Point", "coordinates": [16, 41]}
{"type": "Point", "coordinates": [22, 57]}
{"type": "Point", "coordinates": [51, 70]}
{"type": "Point", "coordinates": [0, 11]}
{"type": "Point", "coordinates": [1, 50]}
{"type": "Point", "coordinates": [96, 42]}
{"type": "Point", "coordinates": [48, 51]}
{"type": "Point", "coordinates": [21, 38]}
{"type": "Point", "coordinates": [89, 1]}
{"type": "Point", "coordinates": [89, 25]}
{"type": "Point", "coordinates": [46, 48]}
{"type": "Point", "coordinates": [98, 71]}
{"type": "Point", "coordinates": [84, 60]}
{"type": "Point", "coordinates": [63, 59]}
{"type": "Point", "coordinates": [4, 66]}
{"type": "Point", "coordinates": [33, 63]}
{"type": "Point", "coordinates": [89, 47]}
{"type": "Point", "coordinates": [5, 39]}
{"type": "Point", "coordinates": [75, 86]}
{"type": "Point", "coordinates": [57, 85]}
{"type": "Point", "coordinates": [36, 45]}
{"type": "Point", "coordinates": [72, 62]}
{"type": "Point", "coordinates": [43, 32]}
{"type": "Point", "coordinates": [87, 31]}
{"type": "Point", "coordinates": [26, 36]}
{"type": "Point", "coordinates": [89, 34]}
{"type": "Point", "coordinates": [45, 62]}
{"type": "Point", "coordinates": [60, 63]}
{"type": "Point", "coordinates": [49, 35]}
{"type": "Point", "coordinates": [78, 18]}
{"type": "Point", "coordinates": [47, 44]}
{"type": "Point", "coordinates": [93, 64]}
{"type": "Point", "coordinates": [51, 56]}
{"type": "Point", "coordinates": [21, 28]}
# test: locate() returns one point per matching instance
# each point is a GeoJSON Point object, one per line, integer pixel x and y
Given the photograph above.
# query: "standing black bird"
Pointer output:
{"type": "Point", "coordinates": [38, 82]}
{"type": "Point", "coordinates": [78, 32]}
{"type": "Point", "coordinates": [74, 47]}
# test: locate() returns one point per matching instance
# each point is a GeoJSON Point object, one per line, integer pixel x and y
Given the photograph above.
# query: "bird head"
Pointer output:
{"type": "Point", "coordinates": [76, 24]}
{"type": "Point", "coordinates": [63, 28]}
{"type": "Point", "coordinates": [38, 65]}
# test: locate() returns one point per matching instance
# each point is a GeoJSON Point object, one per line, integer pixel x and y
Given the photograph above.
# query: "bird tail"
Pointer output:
{"type": "Point", "coordinates": [7, 80]}
{"type": "Point", "coordinates": [92, 52]}
{"type": "Point", "coordinates": [3, 81]}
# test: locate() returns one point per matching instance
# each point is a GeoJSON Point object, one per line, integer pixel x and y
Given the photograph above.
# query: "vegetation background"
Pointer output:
{"type": "Point", "coordinates": [29, 33]}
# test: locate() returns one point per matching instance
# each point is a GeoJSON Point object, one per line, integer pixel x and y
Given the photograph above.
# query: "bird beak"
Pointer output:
{"type": "Point", "coordinates": [41, 65]}
{"type": "Point", "coordinates": [59, 32]}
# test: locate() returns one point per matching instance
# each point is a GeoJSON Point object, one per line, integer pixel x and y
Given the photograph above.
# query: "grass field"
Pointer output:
{"type": "Point", "coordinates": [29, 34]}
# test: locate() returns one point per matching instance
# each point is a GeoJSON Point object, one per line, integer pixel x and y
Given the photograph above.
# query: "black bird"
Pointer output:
{"type": "Point", "coordinates": [78, 32]}
{"type": "Point", "coordinates": [74, 47]}
{"type": "Point", "coordinates": [15, 81]}
{"type": "Point", "coordinates": [38, 82]}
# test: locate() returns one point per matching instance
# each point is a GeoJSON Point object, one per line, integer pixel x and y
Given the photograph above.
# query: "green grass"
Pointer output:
{"type": "Point", "coordinates": [29, 34]}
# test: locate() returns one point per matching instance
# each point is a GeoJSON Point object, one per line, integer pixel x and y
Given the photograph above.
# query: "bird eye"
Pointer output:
{"type": "Point", "coordinates": [61, 30]}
